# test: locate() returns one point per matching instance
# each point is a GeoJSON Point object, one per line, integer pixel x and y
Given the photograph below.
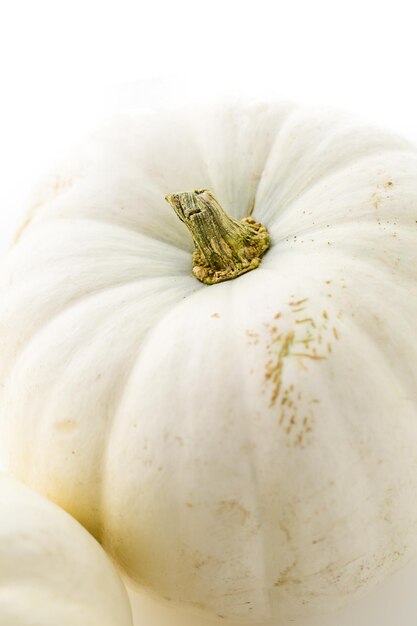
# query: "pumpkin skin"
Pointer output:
{"type": "Point", "coordinates": [51, 570]}
{"type": "Point", "coordinates": [250, 447]}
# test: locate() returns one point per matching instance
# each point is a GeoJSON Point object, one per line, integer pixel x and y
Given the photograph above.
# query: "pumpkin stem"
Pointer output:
{"type": "Point", "coordinates": [224, 248]}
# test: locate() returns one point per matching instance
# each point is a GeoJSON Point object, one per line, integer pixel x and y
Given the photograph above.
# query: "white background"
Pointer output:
{"type": "Point", "coordinates": [65, 65]}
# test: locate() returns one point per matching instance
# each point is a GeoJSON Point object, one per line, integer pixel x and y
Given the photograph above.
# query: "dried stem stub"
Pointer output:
{"type": "Point", "coordinates": [224, 248]}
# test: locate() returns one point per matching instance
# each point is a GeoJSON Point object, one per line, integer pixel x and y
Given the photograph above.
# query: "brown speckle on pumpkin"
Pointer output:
{"type": "Point", "coordinates": [315, 541]}
{"type": "Point", "coordinates": [306, 355]}
{"type": "Point", "coordinates": [285, 578]}
{"type": "Point", "coordinates": [295, 417]}
{"type": "Point", "coordinates": [66, 426]}
{"type": "Point", "coordinates": [253, 337]}
{"type": "Point", "coordinates": [298, 302]}
{"type": "Point", "coordinates": [233, 507]}
{"type": "Point", "coordinates": [60, 184]}
{"type": "Point", "coordinates": [306, 320]}
{"type": "Point", "coordinates": [275, 366]}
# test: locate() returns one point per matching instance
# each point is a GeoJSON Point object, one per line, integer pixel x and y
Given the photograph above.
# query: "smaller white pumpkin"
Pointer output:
{"type": "Point", "coordinates": [52, 572]}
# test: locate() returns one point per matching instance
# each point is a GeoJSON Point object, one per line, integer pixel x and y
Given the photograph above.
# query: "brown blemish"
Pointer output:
{"type": "Point", "coordinates": [295, 418]}
{"type": "Point", "coordinates": [306, 355]}
{"type": "Point", "coordinates": [253, 337]}
{"type": "Point", "coordinates": [305, 342]}
{"type": "Point", "coordinates": [66, 426]}
{"type": "Point", "coordinates": [284, 528]}
{"type": "Point", "coordinates": [299, 440]}
{"type": "Point", "coordinates": [199, 562]}
{"type": "Point", "coordinates": [290, 424]}
{"type": "Point", "coordinates": [285, 579]}
{"type": "Point", "coordinates": [233, 506]}
{"type": "Point", "coordinates": [306, 320]}
{"type": "Point", "coordinates": [298, 302]}
{"type": "Point", "coordinates": [274, 368]}
{"type": "Point", "coordinates": [377, 197]}
{"type": "Point", "coordinates": [61, 184]}
{"type": "Point", "coordinates": [215, 315]}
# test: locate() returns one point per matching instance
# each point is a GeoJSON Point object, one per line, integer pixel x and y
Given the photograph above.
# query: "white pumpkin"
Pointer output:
{"type": "Point", "coordinates": [51, 570]}
{"type": "Point", "coordinates": [247, 447]}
